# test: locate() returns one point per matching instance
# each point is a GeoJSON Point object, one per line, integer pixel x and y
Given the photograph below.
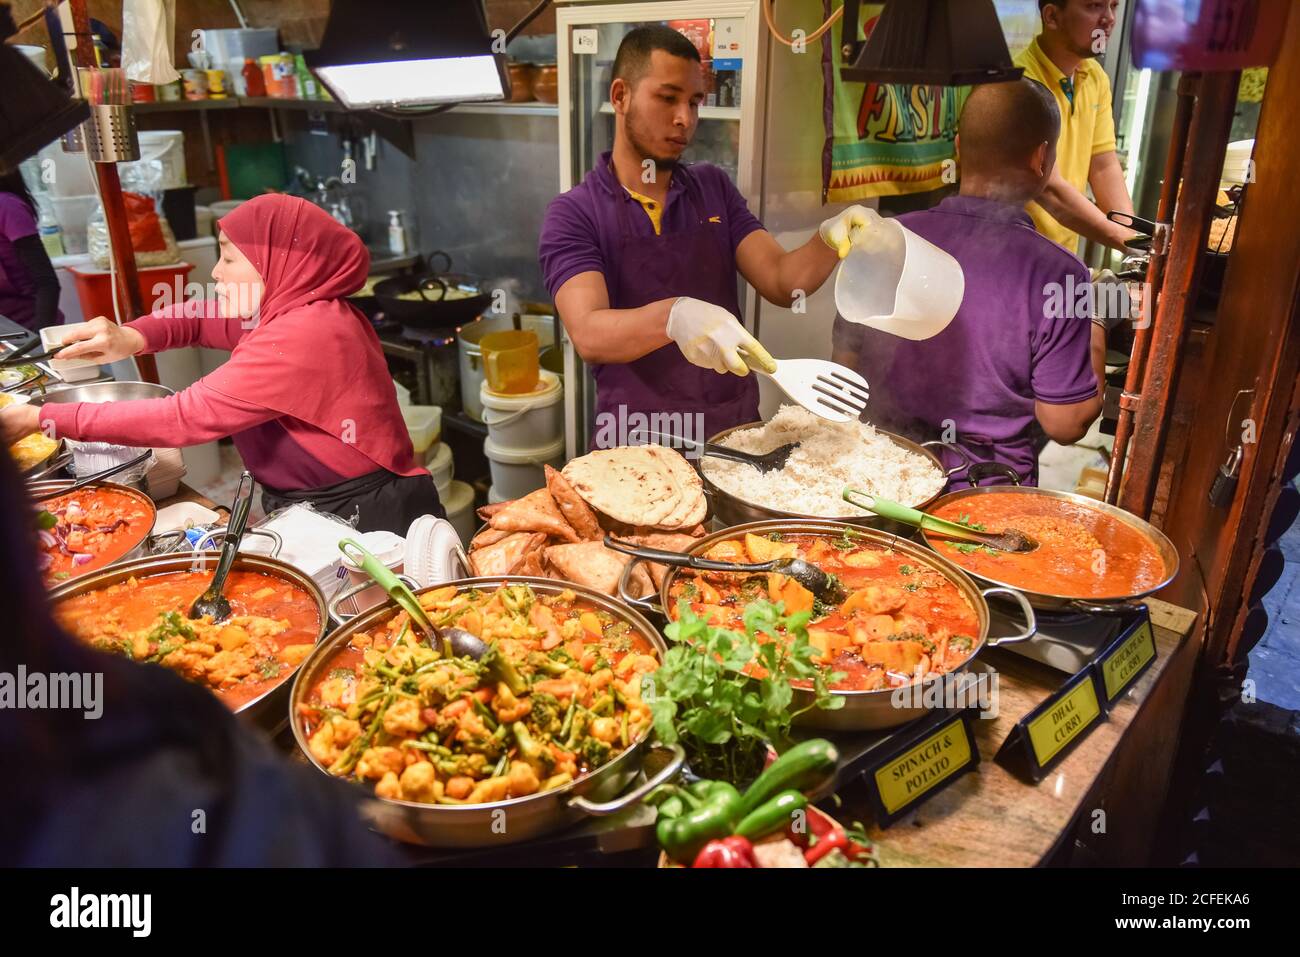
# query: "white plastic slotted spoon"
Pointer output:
{"type": "Point", "coordinates": [828, 389]}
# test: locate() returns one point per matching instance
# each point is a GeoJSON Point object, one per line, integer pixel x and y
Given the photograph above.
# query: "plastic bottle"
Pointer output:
{"type": "Point", "coordinates": [307, 85]}
{"type": "Point", "coordinates": [254, 83]}
{"type": "Point", "coordinates": [47, 226]}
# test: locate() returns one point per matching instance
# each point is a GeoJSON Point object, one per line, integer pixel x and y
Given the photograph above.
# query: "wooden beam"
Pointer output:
{"type": "Point", "coordinates": [1206, 144]}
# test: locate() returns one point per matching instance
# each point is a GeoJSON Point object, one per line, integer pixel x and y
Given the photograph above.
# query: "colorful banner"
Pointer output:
{"type": "Point", "coordinates": [892, 138]}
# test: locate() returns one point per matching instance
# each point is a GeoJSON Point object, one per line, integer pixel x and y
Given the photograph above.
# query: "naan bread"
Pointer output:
{"type": "Point", "coordinates": [571, 505]}
{"type": "Point", "coordinates": [535, 512]}
{"type": "Point", "coordinates": [630, 484]}
{"type": "Point", "coordinates": [692, 507]}
{"type": "Point", "coordinates": [590, 564]}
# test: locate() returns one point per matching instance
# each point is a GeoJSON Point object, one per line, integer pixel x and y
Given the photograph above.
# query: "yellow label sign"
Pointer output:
{"type": "Point", "coordinates": [931, 762]}
{"type": "Point", "coordinates": [1064, 721]}
{"type": "Point", "coordinates": [1127, 660]}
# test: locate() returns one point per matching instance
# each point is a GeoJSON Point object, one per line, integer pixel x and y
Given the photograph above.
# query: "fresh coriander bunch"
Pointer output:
{"type": "Point", "coordinates": [724, 718]}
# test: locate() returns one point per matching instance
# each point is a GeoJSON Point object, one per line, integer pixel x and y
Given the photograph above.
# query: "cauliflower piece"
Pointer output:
{"type": "Point", "coordinates": [404, 718]}
{"type": "Point", "coordinates": [522, 779]}
{"type": "Point", "coordinates": [491, 790]}
{"type": "Point", "coordinates": [375, 762]}
{"type": "Point", "coordinates": [420, 783]}
{"type": "Point", "coordinates": [323, 745]}
{"type": "Point", "coordinates": [389, 787]}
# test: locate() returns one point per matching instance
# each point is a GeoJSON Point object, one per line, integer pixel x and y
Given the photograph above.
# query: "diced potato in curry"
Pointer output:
{"type": "Point", "coordinates": [902, 618]}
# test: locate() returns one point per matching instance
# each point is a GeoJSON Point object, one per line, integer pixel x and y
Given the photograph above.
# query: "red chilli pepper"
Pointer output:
{"type": "Point", "coordinates": [827, 842]}
{"type": "Point", "coordinates": [727, 852]}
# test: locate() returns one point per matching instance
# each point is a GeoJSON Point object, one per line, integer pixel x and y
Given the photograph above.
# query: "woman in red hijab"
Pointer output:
{"type": "Point", "coordinates": [306, 394]}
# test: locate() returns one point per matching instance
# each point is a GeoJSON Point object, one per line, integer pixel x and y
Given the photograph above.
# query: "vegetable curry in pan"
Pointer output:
{"type": "Point", "coordinates": [901, 620]}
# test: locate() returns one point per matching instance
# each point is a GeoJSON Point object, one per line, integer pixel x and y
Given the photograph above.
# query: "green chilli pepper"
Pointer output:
{"type": "Point", "coordinates": [716, 816]}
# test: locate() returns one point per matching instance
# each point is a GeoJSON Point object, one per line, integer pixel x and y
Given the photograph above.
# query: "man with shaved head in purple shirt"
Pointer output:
{"type": "Point", "coordinates": [1021, 359]}
{"type": "Point", "coordinates": [641, 257]}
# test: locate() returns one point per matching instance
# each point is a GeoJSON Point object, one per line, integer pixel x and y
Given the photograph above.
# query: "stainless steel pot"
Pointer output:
{"type": "Point", "coordinates": [1119, 604]}
{"type": "Point", "coordinates": [863, 710]}
{"type": "Point", "coordinates": [728, 509]}
{"type": "Point", "coordinates": [138, 549]}
{"type": "Point", "coordinates": [500, 822]}
{"type": "Point", "coordinates": [266, 710]}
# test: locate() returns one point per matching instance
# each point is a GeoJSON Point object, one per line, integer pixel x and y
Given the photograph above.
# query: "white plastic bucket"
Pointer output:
{"type": "Point", "coordinates": [527, 421]}
{"type": "Point", "coordinates": [897, 282]}
{"type": "Point", "coordinates": [516, 472]}
{"type": "Point", "coordinates": [440, 465]}
{"type": "Point", "coordinates": [459, 503]}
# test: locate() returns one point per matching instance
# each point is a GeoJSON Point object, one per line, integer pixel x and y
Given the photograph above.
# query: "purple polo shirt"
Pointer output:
{"type": "Point", "coordinates": [581, 231]}
{"type": "Point", "coordinates": [1010, 343]}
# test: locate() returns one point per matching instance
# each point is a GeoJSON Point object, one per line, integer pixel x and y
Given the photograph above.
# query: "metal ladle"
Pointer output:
{"type": "Point", "coordinates": [453, 642]}
{"type": "Point", "coordinates": [825, 588]}
{"type": "Point", "coordinates": [212, 602]}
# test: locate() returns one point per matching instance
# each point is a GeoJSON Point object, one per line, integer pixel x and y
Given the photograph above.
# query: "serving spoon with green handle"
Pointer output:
{"type": "Point", "coordinates": [454, 642]}
{"type": "Point", "coordinates": [1007, 540]}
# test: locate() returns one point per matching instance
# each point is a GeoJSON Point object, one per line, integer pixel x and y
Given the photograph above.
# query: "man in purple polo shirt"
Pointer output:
{"type": "Point", "coordinates": [641, 257]}
{"type": "Point", "coordinates": [1019, 356]}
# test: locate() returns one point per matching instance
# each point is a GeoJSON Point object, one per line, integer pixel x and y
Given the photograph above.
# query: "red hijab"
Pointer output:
{"type": "Point", "coordinates": [311, 354]}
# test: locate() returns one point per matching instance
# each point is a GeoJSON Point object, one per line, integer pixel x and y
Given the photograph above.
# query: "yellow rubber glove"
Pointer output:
{"type": "Point", "coordinates": [712, 338]}
{"type": "Point", "coordinates": [842, 230]}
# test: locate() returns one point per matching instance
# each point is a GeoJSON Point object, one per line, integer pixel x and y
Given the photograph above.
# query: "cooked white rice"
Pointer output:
{"type": "Point", "coordinates": [830, 456]}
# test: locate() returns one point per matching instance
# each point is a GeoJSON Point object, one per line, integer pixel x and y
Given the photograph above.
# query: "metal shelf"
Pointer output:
{"type": "Point", "coordinates": [333, 106]}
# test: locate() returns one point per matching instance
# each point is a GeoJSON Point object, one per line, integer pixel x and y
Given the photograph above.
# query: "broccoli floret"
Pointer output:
{"type": "Point", "coordinates": [595, 752]}
{"type": "Point", "coordinates": [546, 715]}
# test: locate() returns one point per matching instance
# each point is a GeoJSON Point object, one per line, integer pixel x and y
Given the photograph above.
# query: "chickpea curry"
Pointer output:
{"type": "Point", "coordinates": [1082, 552]}
{"type": "Point", "coordinates": [557, 696]}
{"type": "Point", "coordinates": [274, 625]}
{"type": "Point", "coordinates": [902, 620]}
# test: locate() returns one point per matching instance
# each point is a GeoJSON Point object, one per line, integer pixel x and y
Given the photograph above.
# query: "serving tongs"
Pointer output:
{"type": "Point", "coordinates": [25, 360]}
{"type": "Point", "coordinates": [825, 588]}
{"type": "Point", "coordinates": [454, 642]}
{"type": "Point", "coordinates": [767, 462]}
{"type": "Point", "coordinates": [97, 477]}
{"type": "Point", "coordinates": [1007, 540]}
{"type": "Point", "coordinates": [212, 602]}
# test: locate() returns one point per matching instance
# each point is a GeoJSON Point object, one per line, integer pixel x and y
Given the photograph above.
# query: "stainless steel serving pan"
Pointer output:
{"type": "Point", "coordinates": [1065, 603]}
{"type": "Point", "coordinates": [729, 509]}
{"type": "Point", "coordinates": [501, 822]}
{"type": "Point", "coordinates": [266, 710]}
{"type": "Point", "coordinates": [137, 550]}
{"type": "Point", "coordinates": [863, 710]}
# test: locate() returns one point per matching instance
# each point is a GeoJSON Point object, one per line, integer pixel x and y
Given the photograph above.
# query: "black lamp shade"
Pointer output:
{"type": "Point", "coordinates": [408, 52]}
{"type": "Point", "coordinates": [929, 43]}
{"type": "Point", "coordinates": [33, 109]}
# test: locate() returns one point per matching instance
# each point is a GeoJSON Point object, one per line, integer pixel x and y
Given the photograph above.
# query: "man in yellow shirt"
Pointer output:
{"type": "Point", "coordinates": [1062, 58]}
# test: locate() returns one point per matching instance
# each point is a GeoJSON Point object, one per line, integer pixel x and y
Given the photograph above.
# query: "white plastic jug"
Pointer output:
{"type": "Point", "coordinates": [897, 282]}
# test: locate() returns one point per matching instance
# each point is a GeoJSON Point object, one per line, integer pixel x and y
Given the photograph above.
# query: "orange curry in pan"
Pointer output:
{"type": "Point", "coordinates": [901, 620]}
{"type": "Point", "coordinates": [274, 625]}
{"type": "Point", "coordinates": [1082, 552]}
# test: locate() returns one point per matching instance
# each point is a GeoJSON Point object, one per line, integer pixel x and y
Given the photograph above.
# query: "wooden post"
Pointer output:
{"type": "Point", "coordinates": [1206, 143]}
{"type": "Point", "coordinates": [110, 194]}
{"type": "Point", "coordinates": [1131, 397]}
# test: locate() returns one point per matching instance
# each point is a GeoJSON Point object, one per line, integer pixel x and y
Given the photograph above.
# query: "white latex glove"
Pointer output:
{"type": "Point", "coordinates": [843, 230]}
{"type": "Point", "coordinates": [711, 337]}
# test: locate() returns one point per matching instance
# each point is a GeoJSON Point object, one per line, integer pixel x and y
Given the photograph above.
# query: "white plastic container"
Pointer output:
{"type": "Point", "coordinates": [440, 465]}
{"type": "Point", "coordinates": [516, 472]}
{"type": "Point", "coordinates": [424, 423]}
{"type": "Point", "coordinates": [897, 282]}
{"type": "Point", "coordinates": [459, 503]}
{"type": "Point", "coordinates": [70, 370]}
{"type": "Point", "coordinates": [167, 147]}
{"type": "Point", "coordinates": [528, 421]}
{"type": "Point", "coordinates": [390, 549]}
{"type": "Point", "coordinates": [73, 213]}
